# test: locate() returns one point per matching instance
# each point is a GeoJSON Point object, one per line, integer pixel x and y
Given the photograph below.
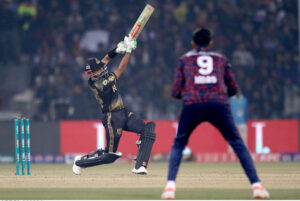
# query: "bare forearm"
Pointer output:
{"type": "Point", "coordinates": [110, 55]}
{"type": "Point", "coordinates": [123, 65]}
{"type": "Point", "coordinates": [124, 61]}
{"type": "Point", "coordinates": [106, 59]}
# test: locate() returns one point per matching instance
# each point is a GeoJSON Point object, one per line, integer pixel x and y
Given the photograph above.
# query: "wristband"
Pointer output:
{"type": "Point", "coordinates": [112, 53]}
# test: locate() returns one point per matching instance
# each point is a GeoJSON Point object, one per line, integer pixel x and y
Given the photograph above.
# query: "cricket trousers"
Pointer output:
{"type": "Point", "coordinates": [115, 122]}
{"type": "Point", "coordinates": [219, 115]}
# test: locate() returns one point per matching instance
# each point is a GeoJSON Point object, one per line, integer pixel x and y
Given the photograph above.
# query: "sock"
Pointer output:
{"type": "Point", "coordinates": [171, 184]}
{"type": "Point", "coordinates": [256, 184]}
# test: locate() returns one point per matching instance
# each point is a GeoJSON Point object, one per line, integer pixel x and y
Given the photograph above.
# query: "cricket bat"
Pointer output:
{"type": "Point", "coordinates": [141, 21]}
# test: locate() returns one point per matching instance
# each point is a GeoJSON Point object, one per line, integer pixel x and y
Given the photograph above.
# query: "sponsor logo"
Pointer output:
{"type": "Point", "coordinates": [119, 131]}
{"type": "Point", "coordinates": [297, 157]}
{"type": "Point", "coordinates": [290, 157]}
{"type": "Point", "coordinates": [276, 135]}
{"type": "Point", "coordinates": [135, 30]}
{"type": "Point", "coordinates": [59, 159]}
{"type": "Point", "coordinates": [48, 158]}
{"type": "Point", "coordinates": [111, 78]}
{"type": "Point", "coordinates": [259, 147]}
{"type": "Point", "coordinates": [141, 20]}
{"type": "Point", "coordinates": [231, 157]}
{"type": "Point", "coordinates": [6, 159]}
{"type": "Point", "coordinates": [211, 79]}
{"type": "Point", "coordinates": [37, 159]}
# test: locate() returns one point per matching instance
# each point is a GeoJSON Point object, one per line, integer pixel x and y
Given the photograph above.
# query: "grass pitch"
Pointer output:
{"type": "Point", "coordinates": [115, 181]}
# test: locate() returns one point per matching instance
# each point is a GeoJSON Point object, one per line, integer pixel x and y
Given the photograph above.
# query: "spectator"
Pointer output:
{"type": "Point", "coordinates": [80, 106]}
{"type": "Point", "coordinates": [259, 36]}
{"type": "Point", "coordinates": [27, 13]}
{"type": "Point", "coordinates": [292, 104]}
{"type": "Point", "coordinates": [94, 38]}
{"type": "Point", "coordinates": [243, 58]}
{"type": "Point", "coordinates": [8, 46]}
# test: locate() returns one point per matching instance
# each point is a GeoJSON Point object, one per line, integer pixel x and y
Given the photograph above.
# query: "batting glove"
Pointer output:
{"type": "Point", "coordinates": [121, 48]}
{"type": "Point", "coordinates": [130, 44]}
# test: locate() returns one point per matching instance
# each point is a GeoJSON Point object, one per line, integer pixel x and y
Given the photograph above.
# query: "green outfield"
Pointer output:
{"type": "Point", "coordinates": [115, 181]}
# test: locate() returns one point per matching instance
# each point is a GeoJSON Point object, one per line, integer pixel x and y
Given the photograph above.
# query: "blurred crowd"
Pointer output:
{"type": "Point", "coordinates": [56, 37]}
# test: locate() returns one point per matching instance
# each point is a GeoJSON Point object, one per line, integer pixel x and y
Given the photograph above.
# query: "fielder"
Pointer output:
{"type": "Point", "coordinates": [204, 81]}
{"type": "Point", "coordinates": [116, 117]}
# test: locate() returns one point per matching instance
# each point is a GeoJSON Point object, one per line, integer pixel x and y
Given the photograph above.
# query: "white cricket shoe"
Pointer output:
{"type": "Point", "coordinates": [259, 192]}
{"type": "Point", "coordinates": [76, 169]}
{"type": "Point", "coordinates": [141, 170]}
{"type": "Point", "coordinates": [168, 194]}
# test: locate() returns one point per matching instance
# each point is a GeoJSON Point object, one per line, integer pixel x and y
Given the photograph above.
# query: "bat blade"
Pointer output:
{"type": "Point", "coordinates": [141, 22]}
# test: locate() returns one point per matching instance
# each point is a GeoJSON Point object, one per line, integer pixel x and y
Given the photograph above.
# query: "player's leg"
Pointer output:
{"type": "Point", "coordinates": [113, 123]}
{"type": "Point", "coordinates": [189, 119]}
{"type": "Point", "coordinates": [136, 125]}
{"type": "Point", "coordinates": [242, 129]}
{"type": "Point", "coordinates": [221, 117]}
{"type": "Point", "coordinates": [146, 141]}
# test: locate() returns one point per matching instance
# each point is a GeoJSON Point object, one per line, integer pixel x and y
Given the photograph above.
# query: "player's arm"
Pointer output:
{"type": "Point", "coordinates": [130, 45]}
{"type": "Point", "coordinates": [120, 49]}
{"type": "Point", "coordinates": [123, 64]}
{"type": "Point", "coordinates": [106, 59]}
{"type": "Point", "coordinates": [179, 80]}
{"type": "Point", "coordinates": [232, 86]}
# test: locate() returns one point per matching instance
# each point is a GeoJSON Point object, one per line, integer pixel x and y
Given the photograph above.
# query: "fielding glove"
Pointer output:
{"type": "Point", "coordinates": [121, 48]}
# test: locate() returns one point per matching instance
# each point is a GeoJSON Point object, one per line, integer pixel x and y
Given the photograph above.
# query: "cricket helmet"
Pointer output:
{"type": "Point", "coordinates": [93, 65]}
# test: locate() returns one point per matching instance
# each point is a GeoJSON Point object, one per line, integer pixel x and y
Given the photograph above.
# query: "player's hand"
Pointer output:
{"type": "Point", "coordinates": [130, 44]}
{"type": "Point", "coordinates": [121, 48]}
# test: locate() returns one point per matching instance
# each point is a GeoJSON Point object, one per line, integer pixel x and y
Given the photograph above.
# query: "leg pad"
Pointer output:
{"type": "Point", "coordinates": [145, 147]}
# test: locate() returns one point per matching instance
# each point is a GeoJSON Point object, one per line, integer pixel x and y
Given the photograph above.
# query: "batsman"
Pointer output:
{"type": "Point", "coordinates": [116, 117]}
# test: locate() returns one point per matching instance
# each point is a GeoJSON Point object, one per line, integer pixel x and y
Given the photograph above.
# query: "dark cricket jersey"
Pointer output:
{"type": "Point", "coordinates": [202, 76]}
{"type": "Point", "coordinates": [106, 92]}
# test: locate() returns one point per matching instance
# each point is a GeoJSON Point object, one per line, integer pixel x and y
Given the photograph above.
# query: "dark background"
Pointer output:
{"type": "Point", "coordinates": [42, 54]}
{"type": "Point", "coordinates": [44, 137]}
